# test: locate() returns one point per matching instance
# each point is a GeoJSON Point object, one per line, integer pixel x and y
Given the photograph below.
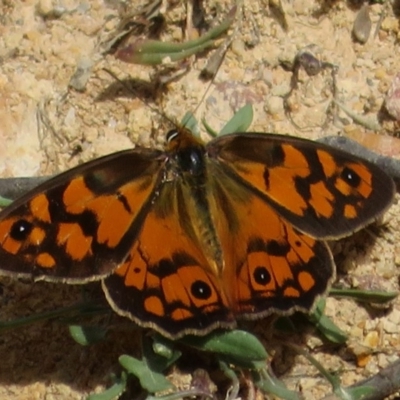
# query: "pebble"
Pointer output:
{"type": "Point", "coordinates": [238, 47]}
{"type": "Point", "coordinates": [371, 339]}
{"type": "Point", "coordinates": [394, 317]}
{"type": "Point", "coordinates": [48, 9]}
{"type": "Point", "coordinates": [380, 73]}
{"type": "Point", "coordinates": [390, 327]}
{"type": "Point", "coordinates": [45, 7]}
{"type": "Point", "coordinates": [392, 100]}
{"type": "Point", "coordinates": [274, 105]}
{"type": "Point", "coordinates": [390, 24]}
{"type": "Point", "coordinates": [362, 25]}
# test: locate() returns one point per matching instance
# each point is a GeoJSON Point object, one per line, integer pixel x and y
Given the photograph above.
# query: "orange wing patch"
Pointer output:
{"type": "Point", "coordinates": [71, 237]}
{"type": "Point", "coordinates": [39, 206]}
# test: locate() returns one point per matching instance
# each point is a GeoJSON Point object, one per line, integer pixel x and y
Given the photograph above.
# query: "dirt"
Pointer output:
{"type": "Point", "coordinates": [48, 127]}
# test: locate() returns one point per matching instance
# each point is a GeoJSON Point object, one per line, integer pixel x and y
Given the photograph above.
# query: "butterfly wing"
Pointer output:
{"type": "Point", "coordinates": [269, 266]}
{"type": "Point", "coordinates": [80, 225]}
{"type": "Point", "coordinates": [168, 282]}
{"type": "Point", "coordinates": [125, 218]}
{"type": "Point", "coordinates": [322, 191]}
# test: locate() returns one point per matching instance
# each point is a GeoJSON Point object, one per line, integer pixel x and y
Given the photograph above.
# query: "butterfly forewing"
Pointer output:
{"type": "Point", "coordinates": [323, 191]}
{"type": "Point", "coordinates": [80, 225]}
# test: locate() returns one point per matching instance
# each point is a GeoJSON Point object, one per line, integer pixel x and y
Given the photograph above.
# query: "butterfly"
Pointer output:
{"type": "Point", "coordinates": [198, 236]}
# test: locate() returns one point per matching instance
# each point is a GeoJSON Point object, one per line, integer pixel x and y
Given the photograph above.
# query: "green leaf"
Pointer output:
{"type": "Point", "coordinates": [360, 392]}
{"type": "Point", "coordinates": [189, 121]}
{"type": "Point", "coordinates": [357, 393]}
{"type": "Point", "coordinates": [232, 376]}
{"type": "Point", "coordinates": [149, 380]}
{"type": "Point", "coordinates": [164, 348]}
{"type": "Point", "coordinates": [87, 335]}
{"type": "Point", "coordinates": [164, 357]}
{"type": "Point", "coordinates": [154, 52]}
{"type": "Point", "coordinates": [269, 384]}
{"type": "Point", "coordinates": [112, 393]}
{"type": "Point", "coordinates": [325, 325]}
{"type": "Point", "coordinates": [238, 347]}
{"type": "Point", "coordinates": [5, 202]}
{"type": "Point", "coordinates": [369, 296]}
{"type": "Point", "coordinates": [62, 312]}
{"type": "Point", "coordinates": [332, 379]}
{"type": "Point", "coordinates": [240, 122]}
{"type": "Point", "coordinates": [209, 129]}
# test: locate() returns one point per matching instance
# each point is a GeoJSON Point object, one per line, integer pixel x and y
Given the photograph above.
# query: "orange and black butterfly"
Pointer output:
{"type": "Point", "coordinates": [193, 238]}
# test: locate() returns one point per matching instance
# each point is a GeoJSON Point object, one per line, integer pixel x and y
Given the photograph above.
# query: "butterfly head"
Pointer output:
{"type": "Point", "coordinates": [187, 151]}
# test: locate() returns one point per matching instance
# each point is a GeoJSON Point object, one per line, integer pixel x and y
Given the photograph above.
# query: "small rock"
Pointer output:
{"type": "Point", "coordinates": [362, 25]}
{"type": "Point", "coordinates": [394, 317]}
{"type": "Point", "coordinates": [372, 339]}
{"type": "Point", "coordinates": [45, 7]}
{"type": "Point", "coordinates": [238, 47]}
{"type": "Point", "coordinates": [274, 105]}
{"type": "Point", "coordinates": [390, 327]}
{"type": "Point", "coordinates": [392, 100]}
{"type": "Point", "coordinates": [48, 9]}
{"type": "Point", "coordinates": [390, 24]}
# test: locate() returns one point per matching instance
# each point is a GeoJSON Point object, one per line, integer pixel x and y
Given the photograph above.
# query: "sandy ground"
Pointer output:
{"type": "Point", "coordinates": [47, 127]}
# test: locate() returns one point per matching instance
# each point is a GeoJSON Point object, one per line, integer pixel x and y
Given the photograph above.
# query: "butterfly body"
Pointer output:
{"type": "Point", "coordinates": [189, 161]}
{"type": "Point", "coordinates": [193, 238]}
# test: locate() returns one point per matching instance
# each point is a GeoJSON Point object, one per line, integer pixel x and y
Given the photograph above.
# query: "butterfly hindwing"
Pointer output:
{"type": "Point", "coordinates": [81, 224]}
{"type": "Point", "coordinates": [269, 265]}
{"type": "Point", "coordinates": [168, 282]}
{"type": "Point", "coordinates": [323, 191]}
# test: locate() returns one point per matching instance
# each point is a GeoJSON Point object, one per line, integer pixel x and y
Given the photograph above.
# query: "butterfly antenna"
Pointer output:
{"type": "Point", "coordinates": [187, 121]}
{"type": "Point", "coordinates": [214, 63]}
